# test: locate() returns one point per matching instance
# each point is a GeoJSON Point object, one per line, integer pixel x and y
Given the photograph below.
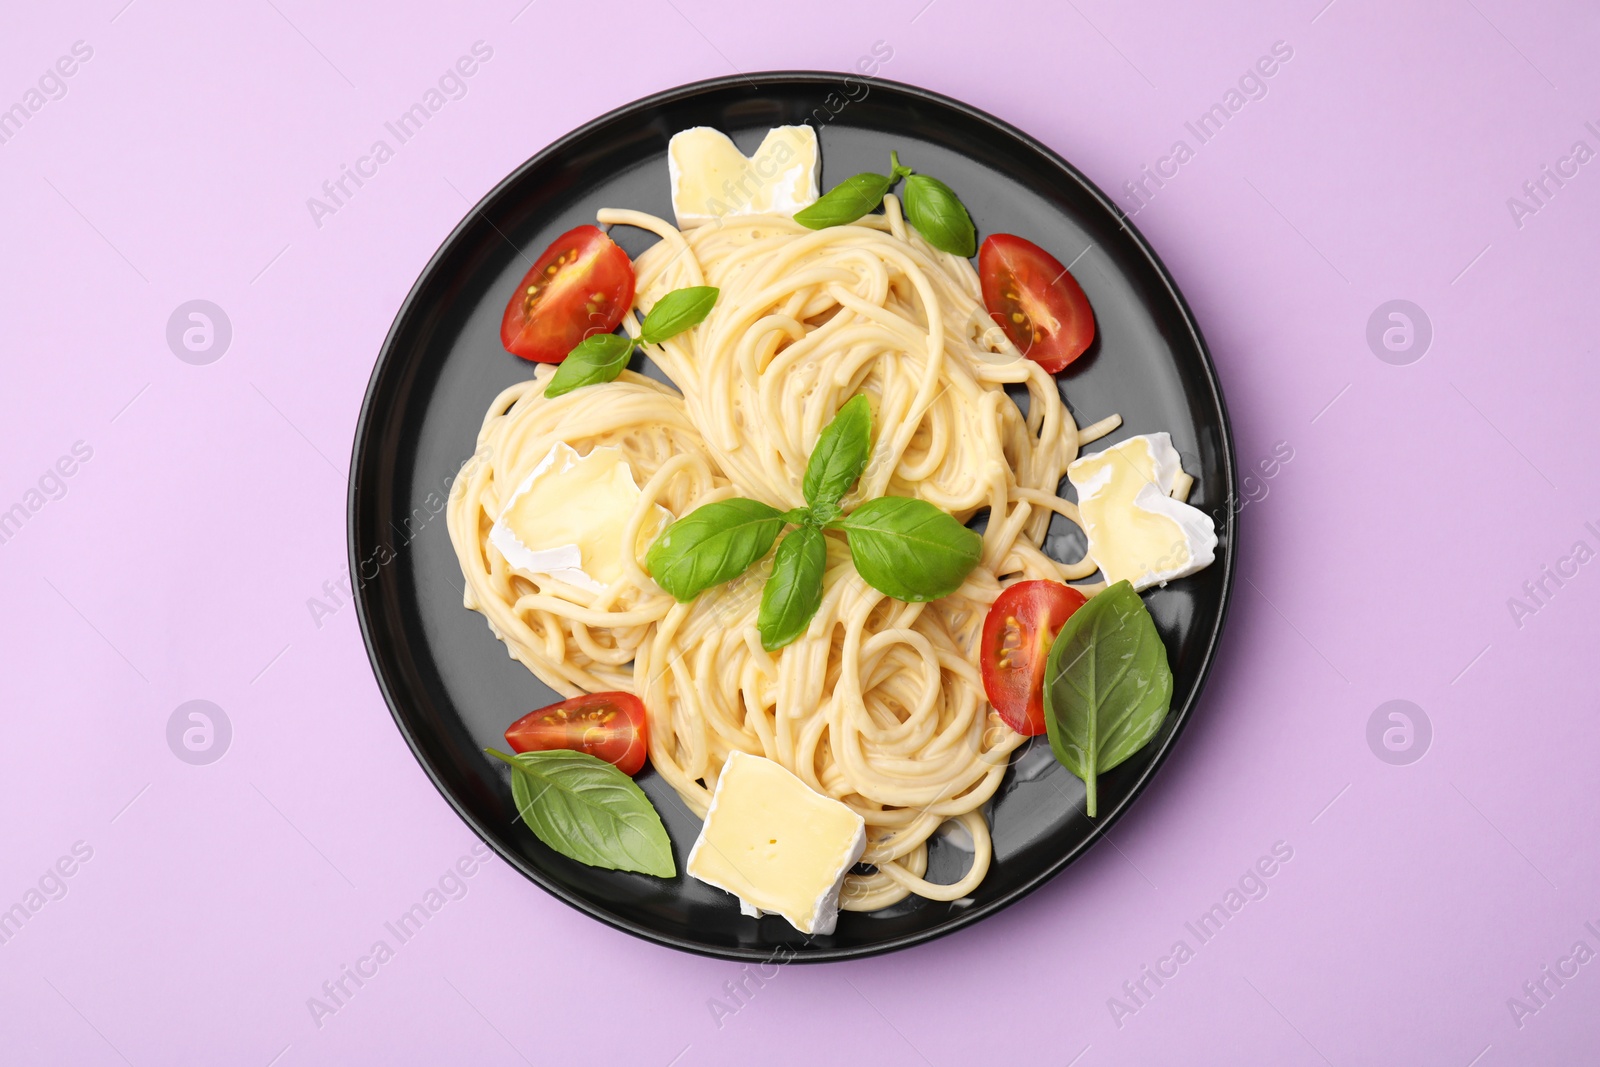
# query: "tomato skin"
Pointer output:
{"type": "Point", "coordinates": [610, 726]}
{"type": "Point", "coordinates": [581, 285]}
{"type": "Point", "coordinates": [1035, 300]}
{"type": "Point", "coordinates": [1017, 634]}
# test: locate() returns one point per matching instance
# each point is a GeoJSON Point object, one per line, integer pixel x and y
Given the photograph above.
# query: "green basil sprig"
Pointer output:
{"type": "Point", "coordinates": [910, 549]}
{"type": "Point", "coordinates": [904, 548]}
{"type": "Point", "coordinates": [586, 809]}
{"type": "Point", "coordinates": [601, 357]}
{"type": "Point", "coordinates": [711, 545]}
{"type": "Point", "coordinates": [842, 451]}
{"type": "Point", "coordinates": [677, 311]}
{"type": "Point", "coordinates": [937, 213]}
{"type": "Point", "coordinates": [1107, 686]}
{"type": "Point", "coordinates": [852, 198]}
{"type": "Point", "coordinates": [931, 206]}
{"type": "Point", "coordinates": [794, 591]}
{"type": "Point", "coordinates": [598, 358]}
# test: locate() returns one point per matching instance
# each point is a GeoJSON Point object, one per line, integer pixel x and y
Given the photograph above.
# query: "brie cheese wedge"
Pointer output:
{"type": "Point", "coordinates": [566, 518]}
{"type": "Point", "coordinates": [777, 844]}
{"type": "Point", "coordinates": [1136, 530]}
{"type": "Point", "coordinates": [711, 178]}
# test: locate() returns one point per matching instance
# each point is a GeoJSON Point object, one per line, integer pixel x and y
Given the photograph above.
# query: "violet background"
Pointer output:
{"type": "Point", "coordinates": [1420, 498]}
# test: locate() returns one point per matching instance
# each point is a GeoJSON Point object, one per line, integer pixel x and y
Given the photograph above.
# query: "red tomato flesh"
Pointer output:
{"type": "Point", "coordinates": [1017, 634]}
{"type": "Point", "coordinates": [610, 726]}
{"type": "Point", "coordinates": [1033, 298]}
{"type": "Point", "coordinates": [582, 285]}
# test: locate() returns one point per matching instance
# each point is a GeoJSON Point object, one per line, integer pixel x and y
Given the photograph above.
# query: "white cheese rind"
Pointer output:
{"type": "Point", "coordinates": [825, 913]}
{"type": "Point", "coordinates": [1136, 530]}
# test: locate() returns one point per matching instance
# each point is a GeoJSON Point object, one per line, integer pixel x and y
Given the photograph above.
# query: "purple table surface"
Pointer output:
{"type": "Point", "coordinates": [1417, 528]}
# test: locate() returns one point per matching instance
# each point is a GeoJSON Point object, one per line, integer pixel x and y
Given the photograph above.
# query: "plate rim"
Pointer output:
{"type": "Point", "coordinates": [408, 310]}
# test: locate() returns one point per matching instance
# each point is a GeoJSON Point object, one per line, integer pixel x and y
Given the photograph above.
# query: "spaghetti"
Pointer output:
{"type": "Point", "coordinates": [879, 704]}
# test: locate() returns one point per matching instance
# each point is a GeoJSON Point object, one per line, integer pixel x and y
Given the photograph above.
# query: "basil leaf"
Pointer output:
{"type": "Point", "coordinates": [842, 451]}
{"type": "Point", "coordinates": [852, 198]}
{"type": "Point", "coordinates": [936, 212]}
{"type": "Point", "coordinates": [597, 358]}
{"type": "Point", "coordinates": [910, 549]}
{"type": "Point", "coordinates": [677, 311]}
{"type": "Point", "coordinates": [1107, 686]}
{"type": "Point", "coordinates": [794, 591]}
{"type": "Point", "coordinates": [587, 810]}
{"type": "Point", "coordinates": [712, 545]}
{"type": "Point", "coordinates": [846, 202]}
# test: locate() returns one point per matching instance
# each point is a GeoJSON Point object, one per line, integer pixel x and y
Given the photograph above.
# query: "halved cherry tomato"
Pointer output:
{"type": "Point", "coordinates": [1033, 298]}
{"type": "Point", "coordinates": [1017, 634]}
{"type": "Point", "coordinates": [582, 285]}
{"type": "Point", "coordinates": [610, 726]}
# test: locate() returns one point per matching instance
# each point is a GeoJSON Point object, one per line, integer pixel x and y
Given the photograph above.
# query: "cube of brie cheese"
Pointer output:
{"type": "Point", "coordinates": [712, 178]}
{"type": "Point", "coordinates": [1136, 530]}
{"type": "Point", "coordinates": [777, 844]}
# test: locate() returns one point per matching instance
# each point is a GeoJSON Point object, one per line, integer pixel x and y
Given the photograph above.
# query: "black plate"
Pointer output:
{"type": "Point", "coordinates": [450, 684]}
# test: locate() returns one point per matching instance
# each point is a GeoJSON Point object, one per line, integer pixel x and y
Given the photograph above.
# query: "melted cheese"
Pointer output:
{"type": "Point", "coordinates": [777, 844]}
{"type": "Point", "coordinates": [566, 518]}
{"type": "Point", "coordinates": [712, 178]}
{"type": "Point", "coordinates": [1136, 530]}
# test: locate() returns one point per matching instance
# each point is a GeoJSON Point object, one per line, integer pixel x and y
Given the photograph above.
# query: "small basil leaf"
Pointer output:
{"type": "Point", "coordinates": [841, 455]}
{"type": "Point", "coordinates": [846, 202]}
{"type": "Point", "coordinates": [712, 545]}
{"type": "Point", "coordinates": [910, 549]}
{"type": "Point", "coordinates": [587, 810]}
{"type": "Point", "coordinates": [1107, 686]}
{"type": "Point", "coordinates": [794, 591]}
{"type": "Point", "coordinates": [677, 311]}
{"type": "Point", "coordinates": [597, 358]}
{"type": "Point", "coordinates": [936, 212]}
{"type": "Point", "coordinates": [798, 515]}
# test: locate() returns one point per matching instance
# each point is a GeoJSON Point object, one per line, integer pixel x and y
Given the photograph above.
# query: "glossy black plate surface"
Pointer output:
{"type": "Point", "coordinates": [449, 682]}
